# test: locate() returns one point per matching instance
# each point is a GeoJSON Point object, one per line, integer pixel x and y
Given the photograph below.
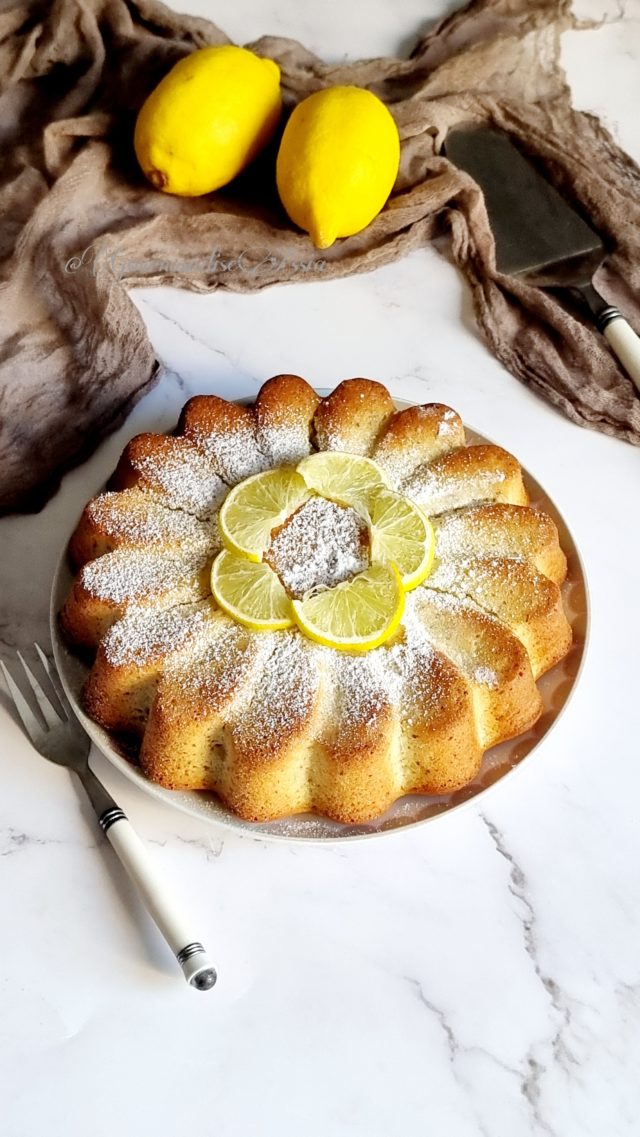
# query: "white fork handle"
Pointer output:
{"type": "Point", "coordinates": [197, 968]}
{"type": "Point", "coordinates": [625, 343]}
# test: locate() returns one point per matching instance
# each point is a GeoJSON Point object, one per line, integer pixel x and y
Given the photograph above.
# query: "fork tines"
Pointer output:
{"type": "Point", "coordinates": [52, 717]}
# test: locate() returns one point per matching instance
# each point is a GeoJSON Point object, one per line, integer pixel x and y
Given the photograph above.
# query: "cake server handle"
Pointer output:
{"type": "Point", "coordinates": [176, 928]}
{"type": "Point", "coordinates": [624, 342]}
{"type": "Point", "coordinates": [617, 331]}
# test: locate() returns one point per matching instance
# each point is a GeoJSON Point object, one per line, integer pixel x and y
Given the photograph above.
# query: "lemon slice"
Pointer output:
{"type": "Point", "coordinates": [356, 615]}
{"type": "Point", "coordinates": [256, 506]}
{"type": "Point", "coordinates": [401, 534]}
{"type": "Point", "coordinates": [251, 593]}
{"type": "Point", "coordinates": [343, 478]}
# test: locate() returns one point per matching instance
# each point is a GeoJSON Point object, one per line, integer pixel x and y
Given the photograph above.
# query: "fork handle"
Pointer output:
{"type": "Point", "coordinates": [196, 966]}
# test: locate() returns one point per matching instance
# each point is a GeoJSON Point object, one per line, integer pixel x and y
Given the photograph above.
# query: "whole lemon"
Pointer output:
{"type": "Point", "coordinates": [207, 119]}
{"type": "Point", "coordinates": [337, 162]}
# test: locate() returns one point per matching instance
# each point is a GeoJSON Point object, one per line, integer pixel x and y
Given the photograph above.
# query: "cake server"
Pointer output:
{"type": "Point", "coordinates": [538, 235]}
{"type": "Point", "coordinates": [62, 740]}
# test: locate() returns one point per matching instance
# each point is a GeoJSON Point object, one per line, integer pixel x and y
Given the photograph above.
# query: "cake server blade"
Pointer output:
{"type": "Point", "coordinates": [537, 234]}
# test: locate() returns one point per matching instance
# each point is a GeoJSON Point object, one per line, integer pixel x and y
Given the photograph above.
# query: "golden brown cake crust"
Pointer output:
{"type": "Point", "coordinates": [132, 519]}
{"type": "Point", "coordinates": [271, 722]}
{"type": "Point", "coordinates": [416, 436]}
{"type": "Point", "coordinates": [465, 476]}
{"type": "Point", "coordinates": [352, 416]}
{"type": "Point", "coordinates": [504, 530]}
{"type": "Point", "coordinates": [284, 411]}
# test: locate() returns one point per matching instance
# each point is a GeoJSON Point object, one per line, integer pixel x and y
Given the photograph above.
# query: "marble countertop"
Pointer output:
{"type": "Point", "coordinates": [476, 977]}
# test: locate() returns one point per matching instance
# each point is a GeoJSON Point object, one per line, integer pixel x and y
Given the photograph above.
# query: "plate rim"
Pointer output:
{"type": "Point", "coordinates": [100, 738]}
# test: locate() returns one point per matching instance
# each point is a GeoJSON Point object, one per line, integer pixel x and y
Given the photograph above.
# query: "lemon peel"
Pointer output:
{"type": "Point", "coordinates": [337, 163]}
{"type": "Point", "coordinates": [207, 119]}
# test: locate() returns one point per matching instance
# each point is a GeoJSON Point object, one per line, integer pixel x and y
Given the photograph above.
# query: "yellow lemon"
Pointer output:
{"type": "Point", "coordinates": [344, 478]}
{"type": "Point", "coordinates": [400, 534]}
{"type": "Point", "coordinates": [207, 119]}
{"type": "Point", "coordinates": [256, 506]}
{"type": "Point", "coordinates": [251, 593]}
{"type": "Point", "coordinates": [358, 614]}
{"type": "Point", "coordinates": [337, 162]}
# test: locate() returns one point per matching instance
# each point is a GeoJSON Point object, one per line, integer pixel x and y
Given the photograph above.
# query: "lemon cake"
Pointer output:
{"type": "Point", "coordinates": [315, 604]}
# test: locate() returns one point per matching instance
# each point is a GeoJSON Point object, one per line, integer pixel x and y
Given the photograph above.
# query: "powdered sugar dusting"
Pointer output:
{"type": "Point", "coordinates": [284, 694]}
{"type": "Point", "coordinates": [449, 575]}
{"type": "Point", "coordinates": [128, 575]}
{"type": "Point", "coordinates": [321, 545]}
{"type": "Point", "coordinates": [481, 531]}
{"type": "Point", "coordinates": [448, 427]}
{"type": "Point", "coordinates": [410, 655]}
{"type": "Point", "coordinates": [399, 464]}
{"type": "Point", "coordinates": [448, 602]}
{"type": "Point", "coordinates": [217, 674]}
{"type": "Point", "coordinates": [361, 687]}
{"type": "Point", "coordinates": [145, 634]}
{"type": "Point", "coordinates": [486, 677]}
{"type": "Point", "coordinates": [185, 480]}
{"type": "Point", "coordinates": [284, 443]}
{"type": "Point", "coordinates": [478, 658]}
{"type": "Point", "coordinates": [391, 675]}
{"type": "Point", "coordinates": [444, 600]}
{"type": "Point", "coordinates": [436, 490]}
{"type": "Point", "coordinates": [139, 519]}
{"type": "Point", "coordinates": [232, 450]}
{"type": "Point", "coordinates": [457, 574]}
{"type": "Point", "coordinates": [403, 453]}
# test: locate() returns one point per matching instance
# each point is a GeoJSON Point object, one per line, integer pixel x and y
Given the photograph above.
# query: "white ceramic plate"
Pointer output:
{"type": "Point", "coordinates": [555, 687]}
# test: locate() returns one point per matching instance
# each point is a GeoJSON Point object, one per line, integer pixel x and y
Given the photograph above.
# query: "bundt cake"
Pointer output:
{"type": "Point", "coordinates": [273, 721]}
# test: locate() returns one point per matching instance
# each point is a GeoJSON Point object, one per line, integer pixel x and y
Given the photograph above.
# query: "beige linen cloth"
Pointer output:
{"type": "Point", "coordinates": [79, 224]}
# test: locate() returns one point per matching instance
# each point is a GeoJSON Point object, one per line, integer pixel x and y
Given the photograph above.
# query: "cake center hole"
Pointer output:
{"type": "Point", "coordinates": [319, 546]}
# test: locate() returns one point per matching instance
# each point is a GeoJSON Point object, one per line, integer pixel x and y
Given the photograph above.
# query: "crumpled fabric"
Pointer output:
{"type": "Point", "coordinates": [80, 224]}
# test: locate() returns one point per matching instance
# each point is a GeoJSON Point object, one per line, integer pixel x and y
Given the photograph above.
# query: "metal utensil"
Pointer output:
{"type": "Point", "coordinates": [62, 740]}
{"type": "Point", "coordinates": [537, 233]}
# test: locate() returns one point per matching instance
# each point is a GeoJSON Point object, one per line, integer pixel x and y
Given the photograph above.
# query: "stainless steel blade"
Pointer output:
{"type": "Point", "coordinates": [537, 233]}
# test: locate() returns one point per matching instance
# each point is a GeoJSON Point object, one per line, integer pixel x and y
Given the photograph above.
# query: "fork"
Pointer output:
{"type": "Point", "coordinates": [62, 740]}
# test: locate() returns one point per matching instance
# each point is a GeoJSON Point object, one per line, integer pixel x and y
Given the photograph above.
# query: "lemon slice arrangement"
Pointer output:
{"type": "Point", "coordinates": [357, 614]}
{"type": "Point", "coordinates": [401, 534]}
